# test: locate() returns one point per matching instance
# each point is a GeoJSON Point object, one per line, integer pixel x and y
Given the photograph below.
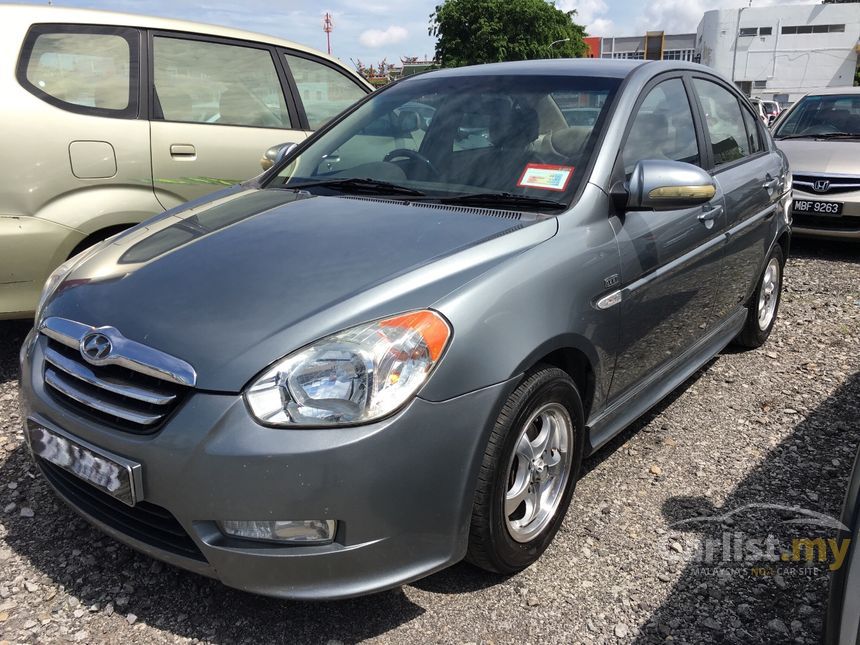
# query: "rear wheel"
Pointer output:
{"type": "Point", "coordinates": [764, 304]}
{"type": "Point", "coordinates": [528, 474]}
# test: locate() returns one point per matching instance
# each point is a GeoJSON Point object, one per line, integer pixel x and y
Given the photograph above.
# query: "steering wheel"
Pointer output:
{"type": "Point", "coordinates": [406, 153]}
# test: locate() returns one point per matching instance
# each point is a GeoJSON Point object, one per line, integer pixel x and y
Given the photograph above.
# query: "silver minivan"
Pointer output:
{"type": "Point", "coordinates": [110, 118]}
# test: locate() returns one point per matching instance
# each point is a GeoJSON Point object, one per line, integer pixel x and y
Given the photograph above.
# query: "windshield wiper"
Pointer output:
{"type": "Point", "coordinates": [838, 135]}
{"type": "Point", "coordinates": [359, 185]}
{"type": "Point", "coordinates": [503, 199]}
{"type": "Point", "coordinates": [822, 135]}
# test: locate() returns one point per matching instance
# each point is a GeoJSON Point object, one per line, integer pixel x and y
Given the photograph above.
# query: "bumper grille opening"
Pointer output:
{"type": "Point", "coordinates": [145, 522]}
{"type": "Point", "coordinates": [116, 396]}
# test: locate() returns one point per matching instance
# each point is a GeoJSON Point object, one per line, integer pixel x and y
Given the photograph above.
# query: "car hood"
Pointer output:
{"type": "Point", "coordinates": [234, 284]}
{"type": "Point", "coordinates": [827, 157]}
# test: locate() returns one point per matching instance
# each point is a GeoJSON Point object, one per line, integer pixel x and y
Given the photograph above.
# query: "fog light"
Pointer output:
{"type": "Point", "coordinates": [301, 531]}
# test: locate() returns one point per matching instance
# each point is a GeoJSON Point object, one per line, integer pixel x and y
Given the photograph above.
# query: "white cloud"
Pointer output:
{"type": "Point", "coordinates": [586, 10]}
{"type": "Point", "coordinates": [380, 38]}
{"type": "Point", "coordinates": [601, 27]}
{"type": "Point", "coordinates": [591, 13]}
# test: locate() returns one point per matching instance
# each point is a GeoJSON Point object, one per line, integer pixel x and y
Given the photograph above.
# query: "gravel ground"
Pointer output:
{"type": "Point", "coordinates": [777, 425]}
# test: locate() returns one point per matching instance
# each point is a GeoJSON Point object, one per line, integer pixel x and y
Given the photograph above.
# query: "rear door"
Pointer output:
{"type": "Point", "coordinates": [217, 105]}
{"type": "Point", "coordinates": [671, 259]}
{"type": "Point", "coordinates": [749, 175]}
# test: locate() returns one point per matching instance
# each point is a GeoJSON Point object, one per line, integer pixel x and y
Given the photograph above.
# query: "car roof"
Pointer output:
{"type": "Point", "coordinates": [826, 91]}
{"type": "Point", "coordinates": [595, 67]}
{"type": "Point", "coordinates": [53, 14]}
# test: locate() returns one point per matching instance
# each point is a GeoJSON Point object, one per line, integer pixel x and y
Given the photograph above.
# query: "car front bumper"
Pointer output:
{"type": "Point", "coordinates": [401, 489]}
{"type": "Point", "coordinates": [844, 227]}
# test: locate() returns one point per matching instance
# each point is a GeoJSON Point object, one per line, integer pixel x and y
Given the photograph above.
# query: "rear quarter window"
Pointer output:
{"type": "Point", "coordinates": [84, 69]}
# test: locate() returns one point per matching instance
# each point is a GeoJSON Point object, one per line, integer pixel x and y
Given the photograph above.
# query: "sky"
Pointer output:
{"type": "Point", "coordinates": [370, 30]}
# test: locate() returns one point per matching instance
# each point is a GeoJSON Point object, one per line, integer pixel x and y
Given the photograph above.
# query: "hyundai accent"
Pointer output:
{"type": "Point", "coordinates": [393, 350]}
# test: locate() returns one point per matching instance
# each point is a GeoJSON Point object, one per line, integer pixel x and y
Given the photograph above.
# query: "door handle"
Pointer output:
{"type": "Point", "coordinates": [707, 217]}
{"type": "Point", "coordinates": [770, 185]}
{"type": "Point", "coordinates": [183, 151]}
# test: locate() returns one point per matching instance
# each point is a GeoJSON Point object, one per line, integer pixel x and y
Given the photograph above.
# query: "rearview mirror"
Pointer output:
{"type": "Point", "coordinates": [658, 184]}
{"type": "Point", "coordinates": [276, 153]}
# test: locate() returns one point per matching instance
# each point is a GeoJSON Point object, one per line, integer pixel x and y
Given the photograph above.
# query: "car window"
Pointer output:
{"type": "Point", "coordinates": [206, 82]}
{"type": "Point", "coordinates": [724, 120]}
{"type": "Point", "coordinates": [663, 127]}
{"type": "Point", "coordinates": [325, 92]}
{"type": "Point", "coordinates": [753, 133]}
{"type": "Point", "coordinates": [85, 69]}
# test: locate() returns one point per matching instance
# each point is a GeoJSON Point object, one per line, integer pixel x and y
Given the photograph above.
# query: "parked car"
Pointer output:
{"type": "Point", "coordinates": [346, 374]}
{"type": "Point", "coordinates": [758, 106]}
{"type": "Point", "coordinates": [820, 135]}
{"type": "Point", "coordinates": [111, 118]}
{"type": "Point", "coordinates": [771, 109]}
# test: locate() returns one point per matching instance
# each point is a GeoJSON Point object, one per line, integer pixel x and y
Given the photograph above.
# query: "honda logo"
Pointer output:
{"type": "Point", "coordinates": [821, 185]}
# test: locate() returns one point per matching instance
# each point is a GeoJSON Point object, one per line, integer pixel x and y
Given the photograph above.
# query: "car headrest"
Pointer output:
{"type": "Point", "coordinates": [568, 142]}
{"type": "Point", "coordinates": [513, 126]}
{"type": "Point", "coordinates": [408, 121]}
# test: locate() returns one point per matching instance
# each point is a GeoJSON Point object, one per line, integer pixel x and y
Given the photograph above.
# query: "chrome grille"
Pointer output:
{"type": "Point", "coordinates": [815, 184]}
{"type": "Point", "coordinates": [134, 394]}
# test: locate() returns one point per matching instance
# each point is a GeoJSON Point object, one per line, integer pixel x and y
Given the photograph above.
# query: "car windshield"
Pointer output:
{"type": "Point", "coordinates": [518, 142]}
{"type": "Point", "coordinates": [834, 115]}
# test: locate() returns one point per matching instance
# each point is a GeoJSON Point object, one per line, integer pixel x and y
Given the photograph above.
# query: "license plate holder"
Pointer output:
{"type": "Point", "coordinates": [815, 207]}
{"type": "Point", "coordinates": [116, 476]}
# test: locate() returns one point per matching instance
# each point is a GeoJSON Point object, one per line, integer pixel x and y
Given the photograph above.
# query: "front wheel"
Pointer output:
{"type": "Point", "coordinates": [764, 304]}
{"type": "Point", "coordinates": [528, 473]}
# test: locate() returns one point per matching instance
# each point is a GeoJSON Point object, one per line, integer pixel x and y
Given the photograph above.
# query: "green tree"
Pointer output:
{"type": "Point", "coordinates": [470, 32]}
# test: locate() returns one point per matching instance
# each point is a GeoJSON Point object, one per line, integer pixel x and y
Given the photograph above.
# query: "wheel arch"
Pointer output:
{"type": "Point", "coordinates": [574, 355]}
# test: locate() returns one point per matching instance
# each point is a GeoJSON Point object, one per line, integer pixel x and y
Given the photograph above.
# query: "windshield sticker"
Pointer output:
{"type": "Point", "coordinates": [546, 177]}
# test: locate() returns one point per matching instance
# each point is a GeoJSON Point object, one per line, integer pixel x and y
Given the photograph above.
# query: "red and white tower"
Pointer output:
{"type": "Point", "coordinates": [328, 26]}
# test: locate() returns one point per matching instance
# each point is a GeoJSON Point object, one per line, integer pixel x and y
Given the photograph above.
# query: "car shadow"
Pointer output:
{"type": "Point", "coordinates": [830, 250]}
{"type": "Point", "coordinates": [723, 597]}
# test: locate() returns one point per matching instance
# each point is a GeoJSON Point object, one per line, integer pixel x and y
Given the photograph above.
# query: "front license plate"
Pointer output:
{"type": "Point", "coordinates": [106, 474]}
{"type": "Point", "coordinates": [809, 207]}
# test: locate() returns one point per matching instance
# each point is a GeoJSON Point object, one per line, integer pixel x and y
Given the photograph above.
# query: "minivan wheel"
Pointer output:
{"type": "Point", "coordinates": [764, 304]}
{"type": "Point", "coordinates": [528, 473]}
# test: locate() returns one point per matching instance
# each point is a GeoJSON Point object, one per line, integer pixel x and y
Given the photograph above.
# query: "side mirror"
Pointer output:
{"type": "Point", "coordinates": [668, 185]}
{"type": "Point", "coordinates": [276, 153]}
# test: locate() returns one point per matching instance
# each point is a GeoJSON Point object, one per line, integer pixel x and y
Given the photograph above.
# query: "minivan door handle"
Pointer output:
{"type": "Point", "coordinates": [183, 151]}
{"type": "Point", "coordinates": [707, 217]}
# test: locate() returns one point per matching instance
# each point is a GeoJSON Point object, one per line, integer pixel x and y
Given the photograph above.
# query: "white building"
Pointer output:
{"type": "Point", "coordinates": [782, 51]}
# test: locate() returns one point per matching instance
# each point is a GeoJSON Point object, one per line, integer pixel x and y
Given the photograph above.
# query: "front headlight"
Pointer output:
{"type": "Point", "coordinates": [355, 376]}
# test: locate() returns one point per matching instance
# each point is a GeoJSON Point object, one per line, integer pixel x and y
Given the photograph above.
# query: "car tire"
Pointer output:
{"type": "Point", "coordinates": [545, 411]}
{"type": "Point", "coordinates": [763, 307]}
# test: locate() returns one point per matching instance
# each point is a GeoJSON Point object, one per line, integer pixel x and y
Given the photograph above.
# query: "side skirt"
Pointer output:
{"type": "Point", "coordinates": [647, 394]}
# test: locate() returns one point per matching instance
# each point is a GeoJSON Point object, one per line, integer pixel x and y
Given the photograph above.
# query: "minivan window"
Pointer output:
{"type": "Point", "coordinates": [197, 81]}
{"type": "Point", "coordinates": [87, 70]}
{"type": "Point", "coordinates": [663, 127]}
{"type": "Point", "coordinates": [507, 136]}
{"type": "Point", "coordinates": [724, 120]}
{"type": "Point", "coordinates": [325, 92]}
